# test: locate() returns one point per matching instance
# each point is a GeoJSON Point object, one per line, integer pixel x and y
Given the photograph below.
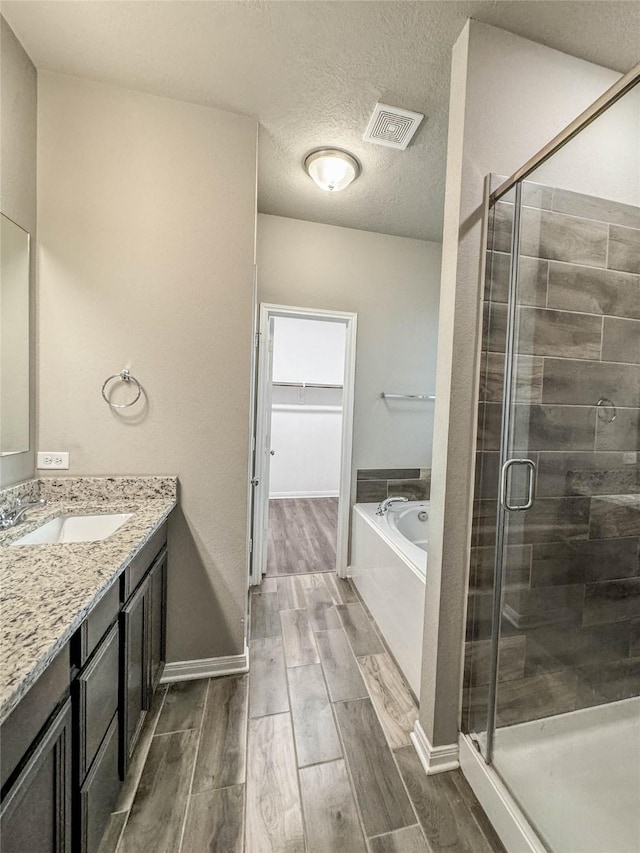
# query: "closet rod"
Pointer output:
{"type": "Point", "coordinates": [305, 385]}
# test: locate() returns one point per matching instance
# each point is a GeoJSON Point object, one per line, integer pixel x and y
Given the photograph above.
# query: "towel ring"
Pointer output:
{"type": "Point", "coordinates": [123, 376]}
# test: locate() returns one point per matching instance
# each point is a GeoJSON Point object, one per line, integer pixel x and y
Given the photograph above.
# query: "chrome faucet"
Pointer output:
{"type": "Point", "coordinates": [10, 517]}
{"type": "Point", "coordinates": [385, 504]}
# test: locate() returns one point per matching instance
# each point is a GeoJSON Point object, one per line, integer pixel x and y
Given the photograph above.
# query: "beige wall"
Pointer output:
{"type": "Point", "coordinates": [146, 214]}
{"type": "Point", "coordinates": [509, 96]}
{"type": "Point", "coordinates": [392, 284]}
{"type": "Point", "coordinates": [18, 122]}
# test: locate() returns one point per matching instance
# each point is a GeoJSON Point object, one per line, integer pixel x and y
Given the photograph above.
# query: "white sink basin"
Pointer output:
{"type": "Point", "coordinates": [75, 528]}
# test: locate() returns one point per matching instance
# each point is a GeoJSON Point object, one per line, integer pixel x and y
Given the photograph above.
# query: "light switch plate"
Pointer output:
{"type": "Point", "coordinates": [53, 459]}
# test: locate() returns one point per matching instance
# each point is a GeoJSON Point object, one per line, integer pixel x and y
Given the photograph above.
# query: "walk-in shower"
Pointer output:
{"type": "Point", "coordinates": [552, 661]}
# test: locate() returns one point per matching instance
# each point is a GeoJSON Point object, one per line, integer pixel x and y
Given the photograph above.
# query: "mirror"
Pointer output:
{"type": "Point", "coordinates": [14, 338]}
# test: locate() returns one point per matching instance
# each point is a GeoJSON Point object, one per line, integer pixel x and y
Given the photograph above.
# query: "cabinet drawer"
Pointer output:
{"type": "Point", "coordinates": [140, 564]}
{"type": "Point", "coordinates": [97, 698]}
{"type": "Point", "coordinates": [99, 793]}
{"type": "Point", "coordinates": [22, 726]}
{"type": "Point", "coordinates": [98, 622]}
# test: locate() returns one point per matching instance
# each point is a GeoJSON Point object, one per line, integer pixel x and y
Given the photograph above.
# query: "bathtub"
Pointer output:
{"type": "Point", "coordinates": [388, 568]}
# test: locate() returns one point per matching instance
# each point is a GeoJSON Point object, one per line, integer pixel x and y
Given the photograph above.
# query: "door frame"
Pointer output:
{"type": "Point", "coordinates": [262, 460]}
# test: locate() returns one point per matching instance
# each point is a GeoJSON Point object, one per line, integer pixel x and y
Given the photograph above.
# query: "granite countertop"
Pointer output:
{"type": "Point", "coordinates": [46, 591]}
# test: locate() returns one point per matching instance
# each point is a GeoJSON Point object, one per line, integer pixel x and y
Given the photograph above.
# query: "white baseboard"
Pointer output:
{"type": "Point", "coordinates": [188, 670]}
{"type": "Point", "coordinates": [279, 496]}
{"type": "Point", "coordinates": [434, 759]}
{"type": "Point", "coordinates": [507, 819]}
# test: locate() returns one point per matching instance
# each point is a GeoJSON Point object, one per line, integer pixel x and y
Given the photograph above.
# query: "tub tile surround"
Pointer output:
{"type": "Point", "coordinates": [572, 577]}
{"type": "Point", "coordinates": [376, 484]}
{"type": "Point", "coordinates": [47, 590]}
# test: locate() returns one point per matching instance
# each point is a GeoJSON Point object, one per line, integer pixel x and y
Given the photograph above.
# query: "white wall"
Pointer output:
{"type": "Point", "coordinates": [306, 424]}
{"type": "Point", "coordinates": [146, 216]}
{"type": "Point", "coordinates": [18, 123]}
{"type": "Point", "coordinates": [509, 96]}
{"type": "Point", "coordinates": [392, 283]}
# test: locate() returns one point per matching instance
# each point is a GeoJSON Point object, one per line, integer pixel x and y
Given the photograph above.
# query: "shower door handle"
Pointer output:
{"type": "Point", "coordinates": [531, 482]}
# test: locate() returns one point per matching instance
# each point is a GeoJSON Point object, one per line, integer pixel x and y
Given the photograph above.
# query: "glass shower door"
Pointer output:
{"type": "Point", "coordinates": [564, 679]}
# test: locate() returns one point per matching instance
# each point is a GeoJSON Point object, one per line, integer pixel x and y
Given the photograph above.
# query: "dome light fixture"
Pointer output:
{"type": "Point", "coordinates": [332, 169]}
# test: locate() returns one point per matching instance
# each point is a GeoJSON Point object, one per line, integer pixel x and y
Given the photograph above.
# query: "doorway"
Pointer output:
{"type": "Point", "coordinates": [304, 426]}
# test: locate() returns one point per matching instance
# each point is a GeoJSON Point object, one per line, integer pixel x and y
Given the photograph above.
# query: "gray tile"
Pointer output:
{"type": "Point", "coordinates": [588, 474]}
{"type": "Point", "coordinates": [551, 520]}
{"type": "Point", "coordinates": [215, 822]}
{"type": "Point", "coordinates": [157, 814]}
{"type": "Point", "coordinates": [533, 698]}
{"type": "Point", "coordinates": [544, 606]}
{"type": "Point", "coordinates": [634, 638]}
{"type": "Point", "coordinates": [615, 517]}
{"type": "Point", "coordinates": [267, 681]}
{"type": "Point", "coordinates": [598, 685]}
{"type": "Point", "coordinates": [408, 840]}
{"type": "Point", "coordinates": [340, 668]}
{"type": "Point", "coordinates": [448, 822]}
{"type": "Point", "coordinates": [183, 706]}
{"type": "Point", "coordinates": [594, 291]}
{"type": "Point", "coordinates": [582, 383]}
{"type": "Point", "coordinates": [291, 593]}
{"type": "Point", "coordinates": [221, 760]}
{"type": "Point", "coordinates": [266, 585]}
{"type": "Point", "coordinates": [621, 340]}
{"type": "Point", "coordinates": [313, 724]}
{"type": "Point", "coordinates": [553, 648]}
{"type": "Point", "coordinates": [388, 473]}
{"type": "Point", "coordinates": [537, 195]}
{"type": "Point", "coordinates": [563, 334]}
{"type": "Point", "coordinates": [394, 705]}
{"type": "Point", "coordinates": [359, 630]}
{"type": "Point", "coordinates": [340, 589]}
{"type": "Point", "coordinates": [330, 812]}
{"type": "Point", "coordinates": [554, 236]}
{"type": "Point", "coordinates": [265, 616]}
{"type": "Point", "coordinates": [477, 660]}
{"type": "Point", "coordinates": [584, 560]}
{"type": "Point", "coordinates": [371, 491]}
{"type": "Point", "coordinates": [611, 601]}
{"type": "Point", "coordinates": [321, 609]}
{"type": "Point", "coordinates": [494, 332]}
{"type": "Point", "coordinates": [624, 249]}
{"type": "Point", "coordinates": [297, 634]}
{"type": "Point", "coordinates": [527, 375]}
{"type": "Point", "coordinates": [532, 279]}
{"type": "Point", "coordinates": [415, 490]}
{"type": "Point", "coordinates": [379, 791]}
{"type": "Point", "coordinates": [273, 809]}
{"type": "Point", "coordinates": [136, 765]}
{"type": "Point", "coordinates": [547, 427]}
{"type": "Point", "coordinates": [113, 832]}
{"type": "Point", "coordinates": [620, 434]}
{"type": "Point", "coordinates": [593, 207]}
{"type": "Point", "coordinates": [516, 570]}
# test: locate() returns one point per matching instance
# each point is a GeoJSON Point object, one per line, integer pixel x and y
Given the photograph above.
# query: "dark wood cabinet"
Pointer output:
{"type": "Point", "coordinates": [68, 743]}
{"type": "Point", "coordinates": [157, 619]}
{"type": "Point", "coordinates": [134, 680]}
{"type": "Point", "coordinates": [35, 816]}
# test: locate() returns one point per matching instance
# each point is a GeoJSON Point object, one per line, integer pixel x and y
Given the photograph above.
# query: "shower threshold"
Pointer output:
{"type": "Point", "coordinates": [577, 776]}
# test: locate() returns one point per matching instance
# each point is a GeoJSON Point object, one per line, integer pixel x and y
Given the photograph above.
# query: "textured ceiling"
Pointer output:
{"type": "Point", "coordinates": [311, 72]}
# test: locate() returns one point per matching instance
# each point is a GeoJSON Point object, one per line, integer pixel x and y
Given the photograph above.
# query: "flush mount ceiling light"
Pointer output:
{"type": "Point", "coordinates": [331, 168]}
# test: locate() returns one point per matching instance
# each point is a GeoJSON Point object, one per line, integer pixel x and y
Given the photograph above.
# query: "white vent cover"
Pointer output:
{"type": "Point", "coordinates": [392, 126]}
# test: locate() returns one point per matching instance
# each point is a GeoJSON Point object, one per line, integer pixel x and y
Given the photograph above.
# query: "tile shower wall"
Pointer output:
{"type": "Point", "coordinates": [571, 608]}
{"type": "Point", "coordinates": [376, 484]}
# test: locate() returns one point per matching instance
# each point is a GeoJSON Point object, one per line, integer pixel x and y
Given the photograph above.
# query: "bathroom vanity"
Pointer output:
{"type": "Point", "coordinates": [82, 651]}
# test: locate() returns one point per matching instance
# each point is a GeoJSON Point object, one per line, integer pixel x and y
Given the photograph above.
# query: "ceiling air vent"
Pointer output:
{"type": "Point", "coordinates": [392, 126]}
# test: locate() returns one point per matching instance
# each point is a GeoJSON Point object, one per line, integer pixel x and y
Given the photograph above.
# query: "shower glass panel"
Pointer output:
{"type": "Point", "coordinates": [552, 663]}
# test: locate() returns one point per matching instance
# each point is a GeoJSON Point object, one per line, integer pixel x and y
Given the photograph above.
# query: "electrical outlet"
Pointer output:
{"type": "Point", "coordinates": [53, 459]}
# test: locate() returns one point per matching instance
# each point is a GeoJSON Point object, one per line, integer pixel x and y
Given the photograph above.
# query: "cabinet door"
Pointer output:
{"type": "Point", "coordinates": [99, 792]}
{"type": "Point", "coordinates": [35, 816]}
{"type": "Point", "coordinates": [158, 619]}
{"type": "Point", "coordinates": [134, 671]}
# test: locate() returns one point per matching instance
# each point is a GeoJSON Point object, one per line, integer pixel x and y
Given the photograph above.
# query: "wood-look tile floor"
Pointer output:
{"type": "Point", "coordinates": [308, 753]}
{"type": "Point", "coordinates": [302, 536]}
